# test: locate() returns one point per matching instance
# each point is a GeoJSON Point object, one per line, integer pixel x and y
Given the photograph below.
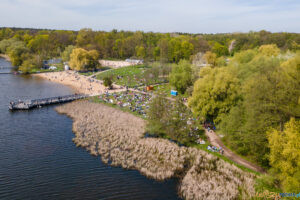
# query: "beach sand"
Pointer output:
{"type": "Point", "coordinates": [80, 83]}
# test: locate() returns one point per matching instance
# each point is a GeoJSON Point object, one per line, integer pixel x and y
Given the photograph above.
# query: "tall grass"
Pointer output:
{"type": "Point", "coordinates": [118, 137]}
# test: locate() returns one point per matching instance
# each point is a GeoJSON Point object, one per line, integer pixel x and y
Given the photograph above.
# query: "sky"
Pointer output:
{"type": "Point", "coordinates": [190, 16]}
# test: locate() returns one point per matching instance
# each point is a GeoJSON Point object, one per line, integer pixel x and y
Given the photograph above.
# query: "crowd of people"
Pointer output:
{"type": "Point", "coordinates": [134, 101]}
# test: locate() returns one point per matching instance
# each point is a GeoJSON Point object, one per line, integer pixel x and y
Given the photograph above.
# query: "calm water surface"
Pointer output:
{"type": "Point", "coordinates": [38, 159]}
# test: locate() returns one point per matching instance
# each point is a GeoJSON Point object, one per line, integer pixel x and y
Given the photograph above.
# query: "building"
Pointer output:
{"type": "Point", "coordinates": [135, 61]}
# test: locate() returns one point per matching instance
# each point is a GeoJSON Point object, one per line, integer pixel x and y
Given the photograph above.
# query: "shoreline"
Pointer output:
{"type": "Point", "coordinates": [118, 137]}
{"type": "Point", "coordinates": [5, 56]}
{"type": "Point", "coordinates": [80, 83]}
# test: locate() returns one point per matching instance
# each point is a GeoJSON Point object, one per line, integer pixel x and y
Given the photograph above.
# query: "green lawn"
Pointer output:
{"type": "Point", "coordinates": [89, 73]}
{"type": "Point", "coordinates": [132, 76]}
{"type": "Point", "coordinates": [127, 76]}
{"type": "Point", "coordinates": [60, 67]}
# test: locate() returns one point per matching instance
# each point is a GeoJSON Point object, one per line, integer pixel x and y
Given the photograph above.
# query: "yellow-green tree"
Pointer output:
{"type": "Point", "coordinates": [269, 50]}
{"type": "Point", "coordinates": [285, 154]}
{"type": "Point", "coordinates": [140, 52]}
{"type": "Point", "coordinates": [210, 58]}
{"type": "Point", "coordinates": [181, 76]}
{"type": "Point", "coordinates": [215, 93]}
{"type": "Point", "coordinates": [81, 59]}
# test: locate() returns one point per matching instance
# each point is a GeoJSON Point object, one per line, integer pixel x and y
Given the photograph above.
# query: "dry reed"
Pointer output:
{"type": "Point", "coordinates": [119, 138]}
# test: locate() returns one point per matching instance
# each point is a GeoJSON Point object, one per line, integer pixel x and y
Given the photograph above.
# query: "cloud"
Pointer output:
{"type": "Point", "coordinates": [194, 16]}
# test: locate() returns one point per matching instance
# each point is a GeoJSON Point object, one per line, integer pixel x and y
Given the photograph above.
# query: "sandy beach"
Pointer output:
{"type": "Point", "coordinates": [80, 83]}
{"type": "Point", "coordinates": [118, 137]}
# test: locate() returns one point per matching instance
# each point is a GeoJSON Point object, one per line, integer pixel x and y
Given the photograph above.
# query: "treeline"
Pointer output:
{"type": "Point", "coordinates": [165, 47]}
{"type": "Point", "coordinates": [254, 100]}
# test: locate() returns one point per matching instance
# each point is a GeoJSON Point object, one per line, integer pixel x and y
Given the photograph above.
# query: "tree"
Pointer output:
{"type": "Point", "coordinates": [158, 115]}
{"type": "Point", "coordinates": [269, 97]}
{"type": "Point", "coordinates": [210, 58]}
{"type": "Point", "coordinates": [65, 55]}
{"type": "Point", "coordinates": [40, 44]}
{"type": "Point", "coordinates": [269, 50]}
{"type": "Point", "coordinates": [107, 81]}
{"type": "Point", "coordinates": [28, 65]}
{"type": "Point", "coordinates": [179, 126]}
{"type": "Point", "coordinates": [215, 93]}
{"type": "Point", "coordinates": [140, 52]}
{"type": "Point", "coordinates": [285, 155]}
{"type": "Point", "coordinates": [220, 50]}
{"type": "Point", "coordinates": [181, 76]}
{"type": "Point", "coordinates": [16, 53]}
{"type": "Point", "coordinates": [81, 59]}
{"type": "Point", "coordinates": [170, 119]}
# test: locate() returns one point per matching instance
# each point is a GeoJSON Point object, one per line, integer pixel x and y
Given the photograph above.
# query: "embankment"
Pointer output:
{"type": "Point", "coordinates": [118, 137]}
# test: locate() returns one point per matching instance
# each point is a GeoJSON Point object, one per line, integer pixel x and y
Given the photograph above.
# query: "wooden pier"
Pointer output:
{"type": "Point", "coordinates": [28, 104]}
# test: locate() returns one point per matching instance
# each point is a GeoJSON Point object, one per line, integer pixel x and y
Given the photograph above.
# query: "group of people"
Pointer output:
{"type": "Point", "coordinates": [135, 102]}
{"type": "Point", "coordinates": [215, 149]}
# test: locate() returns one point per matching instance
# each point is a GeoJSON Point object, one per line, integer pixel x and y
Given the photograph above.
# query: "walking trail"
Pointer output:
{"type": "Point", "coordinates": [216, 141]}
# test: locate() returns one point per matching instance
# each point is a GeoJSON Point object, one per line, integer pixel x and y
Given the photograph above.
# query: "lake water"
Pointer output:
{"type": "Point", "coordinates": [38, 159]}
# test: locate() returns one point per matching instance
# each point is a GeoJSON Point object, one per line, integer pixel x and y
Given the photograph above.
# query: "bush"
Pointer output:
{"type": "Point", "coordinates": [107, 81]}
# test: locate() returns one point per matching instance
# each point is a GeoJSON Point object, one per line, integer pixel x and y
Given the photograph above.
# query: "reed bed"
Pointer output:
{"type": "Point", "coordinates": [118, 137]}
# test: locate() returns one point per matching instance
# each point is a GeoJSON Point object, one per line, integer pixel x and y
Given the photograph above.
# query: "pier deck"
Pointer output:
{"type": "Point", "coordinates": [28, 104]}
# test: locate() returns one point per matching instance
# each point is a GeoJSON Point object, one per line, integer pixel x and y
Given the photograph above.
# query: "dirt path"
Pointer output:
{"type": "Point", "coordinates": [216, 141]}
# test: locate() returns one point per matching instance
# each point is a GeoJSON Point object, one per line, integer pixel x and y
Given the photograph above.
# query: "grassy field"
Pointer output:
{"type": "Point", "coordinates": [127, 76]}
{"type": "Point", "coordinates": [89, 73]}
{"type": "Point", "coordinates": [132, 76]}
{"type": "Point", "coordinates": [60, 67]}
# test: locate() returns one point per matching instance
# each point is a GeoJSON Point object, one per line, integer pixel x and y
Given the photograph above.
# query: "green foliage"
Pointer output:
{"type": "Point", "coordinates": [107, 82]}
{"type": "Point", "coordinates": [285, 154]}
{"type": "Point", "coordinates": [149, 46]}
{"type": "Point", "coordinates": [215, 93]}
{"type": "Point", "coordinates": [267, 182]}
{"type": "Point", "coordinates": [39, 44]}
{"type": "Point", "coordinates": [140, 52]}
{"type": "Point", "coordinates": [220, 50]}
{"type": "Point", "coordinates": [83, 60]}
{"type": "Point", "coordinates": [181, 76]}
{"type": "Point", "coordinates": [269, 50]}
{"type": "Point", "coordinates": [65, 55]}
{"type": "Point", "coordinates": [28, 65]}
{"type": "Point", "coordinates": [254, 92]}
{"type": "Point", "coordinates": [169, 119]}
{"type": "Point", "coordinates": [210, 58]}
{"type": "Point", "coordinates": [17, 53]}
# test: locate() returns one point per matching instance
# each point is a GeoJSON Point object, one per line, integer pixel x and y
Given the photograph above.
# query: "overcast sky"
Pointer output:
{"type": "Point", "coordinates": [194, 16]}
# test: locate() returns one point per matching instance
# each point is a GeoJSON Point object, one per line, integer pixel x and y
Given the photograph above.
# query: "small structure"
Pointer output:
{"type": "Point", "coordinates": [67, 67]}
{"type": "Point", "coordinates": [174, 93]}
{"type": "Point", "coordinates": [47, 63]}
{"type": "Point", "coordinates": [135, 61]}
{"type": "Point", "coordinates": [53, 68]}
{"type": "Point", "coordinates": [149, 88]}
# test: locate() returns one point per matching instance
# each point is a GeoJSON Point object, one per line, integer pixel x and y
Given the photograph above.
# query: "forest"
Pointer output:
{"type": "Point", "coordinates": [28, 47]}
{"type": "Point", "coordinates": [249, 88]}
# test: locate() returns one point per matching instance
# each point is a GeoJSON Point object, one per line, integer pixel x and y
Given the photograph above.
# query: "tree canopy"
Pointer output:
{"type": "Point", "coordinates": [82, 60]}
{"type": "Point", "coordinates": [181, 76]}
{"type": "Point", "coordinates": [256, 90]}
